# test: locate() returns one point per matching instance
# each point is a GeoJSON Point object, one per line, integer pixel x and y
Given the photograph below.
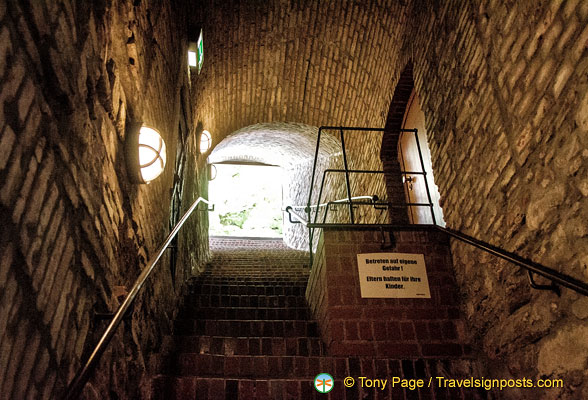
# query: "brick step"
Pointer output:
{"type": "Point", "coordinates": [249, 313]}
{"type": "Point", "coordinates": [253, 346]}
{"type": "Point", "coordinates": [287, 367]}
{"type": "Point", "coordinates": [166, 387]}
{"type": "Point", "coordinates": [247, 328]}
{"type": "Point", "coordinates": [246, 300]}
{"type": "Point", "coordinates": [262, 276]}
{"type": "Point", "coordinates": [244, 282]}
{"type": "Point", "coordinates": [251, 280]}
{"type": "Point", "coordinates": [258, 263]}
{"type": "Point", "coordinates": [260, 279]}
{"type": "Point", "coordinates": [254, 290]}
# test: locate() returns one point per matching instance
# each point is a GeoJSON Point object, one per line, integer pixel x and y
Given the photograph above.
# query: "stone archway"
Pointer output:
{"type": "Point", "coordinates": [290, 146]}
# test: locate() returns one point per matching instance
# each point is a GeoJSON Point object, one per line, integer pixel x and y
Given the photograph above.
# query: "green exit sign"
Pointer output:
{"type": "Point", "coordinates": [196, 53]}
{"type": "Point", "coordinates": [200, 46]}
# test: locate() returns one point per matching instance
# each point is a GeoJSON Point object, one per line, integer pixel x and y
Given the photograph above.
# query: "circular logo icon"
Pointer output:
{"type": "Point", "coordinates": [323, 383]}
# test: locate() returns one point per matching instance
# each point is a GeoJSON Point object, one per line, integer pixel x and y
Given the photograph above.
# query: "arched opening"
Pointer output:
{"type": "Point", "coordinates": [289, 147]}
{"type": "Point", "coordinates": [247, 199]}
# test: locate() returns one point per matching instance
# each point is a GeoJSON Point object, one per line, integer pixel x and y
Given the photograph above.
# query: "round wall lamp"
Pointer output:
{"type": "Point", "coordinates": [205, 141]}
{"type": "Point", "coordinates": [145, 153]}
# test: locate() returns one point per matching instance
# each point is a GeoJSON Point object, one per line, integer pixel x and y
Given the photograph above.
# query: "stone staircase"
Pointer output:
{"type": "Point", "coordinates": [245, 332]}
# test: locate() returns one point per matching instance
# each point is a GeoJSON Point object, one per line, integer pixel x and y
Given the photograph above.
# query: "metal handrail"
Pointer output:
{"type": "Point", "coordinates": [292, 213]}
{"type": "Point", "coordinates": [373, 198]}
{"type": "Point", "coordinates": [79, 381]}
{"type": "Point", "coordinates": [531, 266]}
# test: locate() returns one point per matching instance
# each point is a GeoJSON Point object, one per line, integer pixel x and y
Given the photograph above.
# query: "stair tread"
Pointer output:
{"type": "Point", "coordinates": [310, 321]}
{"type": "Point", "coordinates": [263, 366]}
{"type": "Point", "coordinates": [237, 308]}
{"type": "Point", "coordinates": [180, 337]}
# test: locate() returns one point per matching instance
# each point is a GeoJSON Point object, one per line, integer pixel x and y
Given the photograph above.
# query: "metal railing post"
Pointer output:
{"type": "Point", "coordinates": [351, 217]}
{"type": "Point", "coordinates": [416, 136]}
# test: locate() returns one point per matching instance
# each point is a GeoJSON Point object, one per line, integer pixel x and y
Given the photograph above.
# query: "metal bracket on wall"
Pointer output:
{"type": "Point", "coordinates": [392, 240]}
{"type": "Point", "coordinates": [553, 287]}
{"type": "Point", "coordinates": [207, 207]}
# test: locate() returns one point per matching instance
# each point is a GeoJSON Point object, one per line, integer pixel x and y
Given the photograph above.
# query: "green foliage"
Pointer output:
{"type": "Point", "coordinates": [247, 201]}
{"type": "Point", "coordinates": [277, 224]}
{"type": "Point", "coordinates": [234, 218]}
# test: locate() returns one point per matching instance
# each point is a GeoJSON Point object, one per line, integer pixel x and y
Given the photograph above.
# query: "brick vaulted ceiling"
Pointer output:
{"type": "Point", "coordinates": [314, 62]}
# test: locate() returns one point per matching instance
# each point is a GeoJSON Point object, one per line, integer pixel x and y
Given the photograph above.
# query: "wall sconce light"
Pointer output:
{"type": "Point", "coordinates": [196, 53]}
{"type": "Point", "coordinates": [205, 141]}
{"type": "Point", "coordinates": [145, 153]}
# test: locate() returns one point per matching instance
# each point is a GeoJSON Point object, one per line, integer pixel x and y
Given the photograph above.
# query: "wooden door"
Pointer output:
{"type": "Point", "coordinates": [415, 187]}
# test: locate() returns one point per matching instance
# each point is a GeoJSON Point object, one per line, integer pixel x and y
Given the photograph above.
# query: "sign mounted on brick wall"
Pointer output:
{"type": "Point", "coordinates": [397, 275]}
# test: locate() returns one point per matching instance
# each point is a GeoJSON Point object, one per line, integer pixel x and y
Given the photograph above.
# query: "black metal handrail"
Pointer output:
{"type": "Point", "coordinates": [531, 266]}
{"type": "Point", "coordinates": [79, 381]}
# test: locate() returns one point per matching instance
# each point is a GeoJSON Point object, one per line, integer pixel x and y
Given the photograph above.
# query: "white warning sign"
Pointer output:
{"type": "Point", "coordinates": [397, 275]}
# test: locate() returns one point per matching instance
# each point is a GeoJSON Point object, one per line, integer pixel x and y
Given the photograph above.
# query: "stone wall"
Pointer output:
{"type": "Point", "coordinates": [75, 231]}
{"type": "Point", "coordinates": [504, 90]}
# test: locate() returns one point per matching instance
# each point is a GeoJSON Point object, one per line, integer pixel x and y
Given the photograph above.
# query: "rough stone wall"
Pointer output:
{"type": "Point", "coordinates": [75, 231]}
{"type": "Point", "coordinates": [504, 90]}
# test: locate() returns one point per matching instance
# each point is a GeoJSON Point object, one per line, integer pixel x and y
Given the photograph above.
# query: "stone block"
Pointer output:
{"type": "Point", "coordinates": [5, 47]}
{"type": "Point", "coordinates": [60, 311]}
{"type": "Point", "coordinates": [12, 82]}
{"type": "Point", "coordinates": [50, 272]}
{"type": "Point", "coordinates": [16, 355]}
{"type": "Point", "coordinates": [10, 289]}
{"type": "Point", "coordinates": [27, 364]}
{"type": "Point", "coordinates": [24, 192]}
{"type": "Point", "coordinates": [564, 351]}
{"type": "Point", "coordinates": [6, 145]}
{"type": "Point", "coordinates": [14, 175]}
{"type": "Point", "coordinates": [6, 262]}
{"type": "Point", "coordinates": [47, 247]}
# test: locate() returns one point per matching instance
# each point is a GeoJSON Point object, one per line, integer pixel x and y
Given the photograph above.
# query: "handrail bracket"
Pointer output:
{"type": "Point", "coordinates": [552, 286]}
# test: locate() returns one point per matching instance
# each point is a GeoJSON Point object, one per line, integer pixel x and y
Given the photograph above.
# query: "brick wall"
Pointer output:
{"type": "Point", "coordinates": [74, 229]}
{"type": "Point", "coordinates": [311, 62]}
{"type": "Point", "coordinates": [504, 91]}
{"type": "Point", "coordinates": [395, 328]}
